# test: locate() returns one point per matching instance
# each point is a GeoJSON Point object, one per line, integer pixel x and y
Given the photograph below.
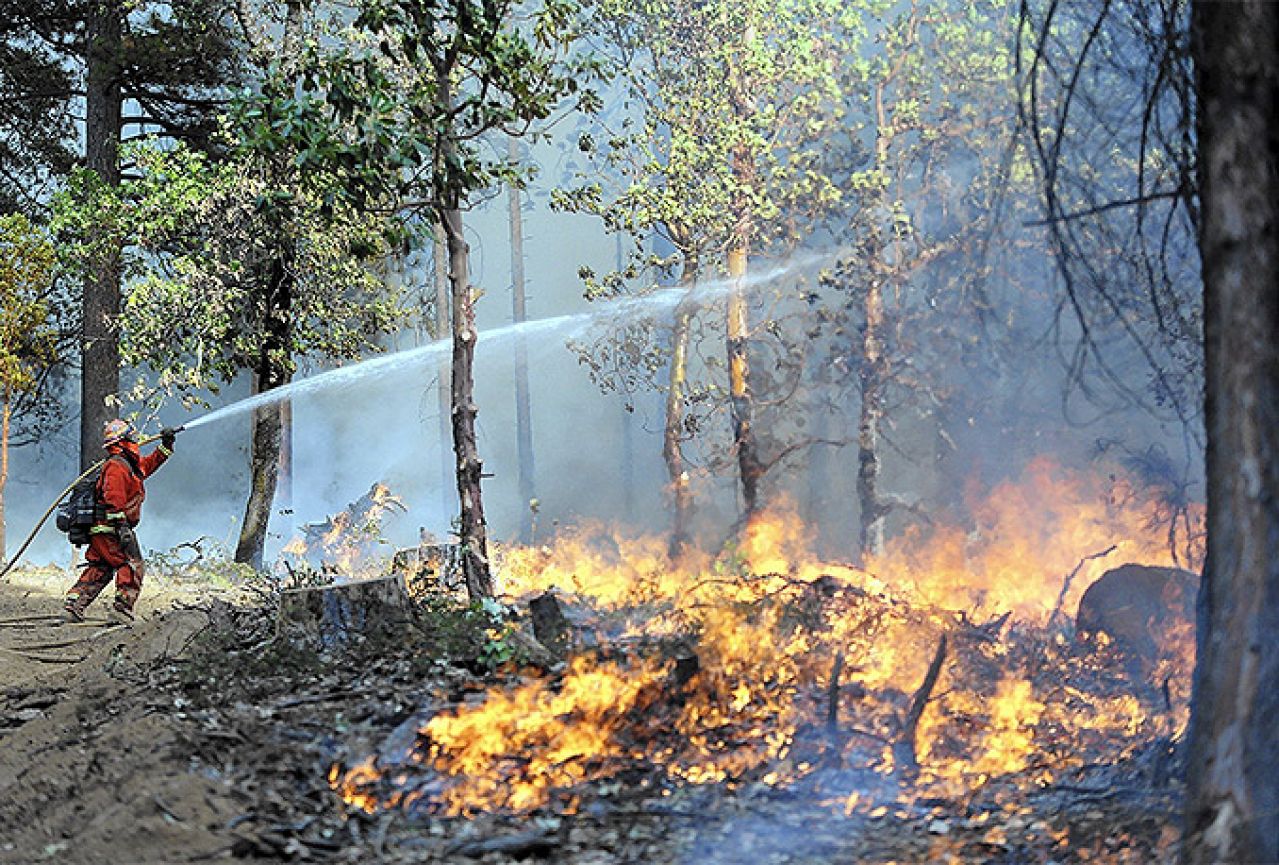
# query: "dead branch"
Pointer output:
{"type": "Point", "coordinates": [832, 694]}
{"type": "Point", "coordinates": [1065, 586]}
{"type": "Point", "coordinates": [904, 747]}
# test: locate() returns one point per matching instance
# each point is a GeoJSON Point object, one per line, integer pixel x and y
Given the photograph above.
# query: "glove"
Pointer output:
{"type": "Point", "coordinates": [128, 540]}
{"type": "Point", "coordinates": [168, 436]}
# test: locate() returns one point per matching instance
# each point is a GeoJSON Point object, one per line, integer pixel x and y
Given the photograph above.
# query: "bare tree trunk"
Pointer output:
{"type": "Point", "coordinates": [263, 473]}
{"type": "Point", "coordinates": [6, 414]}
{"type": "Point", "coordinates": [284, 494]}
{"type": "Point", "coordinates": [100, 344]}
{"type": "Point", "coordinates": [673, 432]}
{"type": "Point", "coordinates": [1232, 796]}
{"type": "Point", "coordinates": [272, 372]}
{"type": "Point", "coordinates": [750, 470]}
{"type": "Point", "coordinates": [871, 414]}
{"type": "Point", "coordinates": [442, 329]}
{"type": "Point", "coordinates": [523, 413]}
{"type": "Point", "coordinates": [473, 530]}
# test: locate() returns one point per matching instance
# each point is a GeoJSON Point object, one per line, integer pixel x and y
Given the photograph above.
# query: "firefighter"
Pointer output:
{"type": "Point", "coordinates": [113, 547]}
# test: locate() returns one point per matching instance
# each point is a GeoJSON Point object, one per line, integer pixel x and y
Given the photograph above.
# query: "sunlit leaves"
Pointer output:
{"type": "Point", "coordinates": [28, 338]}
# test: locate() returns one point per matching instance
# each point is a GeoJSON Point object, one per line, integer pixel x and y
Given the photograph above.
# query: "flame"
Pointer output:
{"type": "Point", "coordinates": [768, 622]}
{"type": "Point", "coordinates": [1027, 537]}
{"type": "Point", "coordinates": [343, 543]}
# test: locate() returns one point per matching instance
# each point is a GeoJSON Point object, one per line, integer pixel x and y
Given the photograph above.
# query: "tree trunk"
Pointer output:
{"type": "Point", "coordinates": [1232, 796]}
{"type": "Point", "coordinates": [871, 381]}
{"type": "Point", "coordinates": [264, 472]}
{"type": "Point", "coordinates": [442, 329]}
{"type": "Point", "coordinates": [473, 530]}
{"type": "Point", "coordinates": [742, 401]}
{"type": "Point", "coordinates": [6, 413]}
{"type": "Point", "coordinates": [284, 494]}
{"type": "Point", "coordinates": [673, 432]}
{"type": "Point", "coordinates": [272, 372]}
{"type": "Point", "coordinates": [100, 345]}
{"type": "Point", "coordinates": [523, 414]}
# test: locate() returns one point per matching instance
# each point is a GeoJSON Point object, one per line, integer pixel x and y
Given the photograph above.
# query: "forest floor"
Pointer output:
{"type": "Point", "coordinates": [195, 737]}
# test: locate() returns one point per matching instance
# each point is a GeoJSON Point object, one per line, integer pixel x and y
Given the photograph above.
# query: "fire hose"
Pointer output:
{"type": "Point", "coordinates": [62, 495]}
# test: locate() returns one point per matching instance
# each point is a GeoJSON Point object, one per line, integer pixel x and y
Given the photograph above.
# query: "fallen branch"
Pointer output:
{"type": "Point", "coordinates": [904, 747]}
{"type": "Point", "coordinates": [43, 660]}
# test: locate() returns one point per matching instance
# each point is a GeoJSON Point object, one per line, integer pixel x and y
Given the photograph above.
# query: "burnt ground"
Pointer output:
{"type": "Point", "coordinates": [197, 737]}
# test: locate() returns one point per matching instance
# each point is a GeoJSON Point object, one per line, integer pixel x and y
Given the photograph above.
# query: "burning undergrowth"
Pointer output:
{"type": "Point", "coordinates": [948, 664]}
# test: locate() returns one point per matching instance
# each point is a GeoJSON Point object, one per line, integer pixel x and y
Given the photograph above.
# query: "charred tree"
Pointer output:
{"type": "Point", "coordinates": [519, 314]}
{"type": "Point", "coordinates": [674, 429]}
{"type": "Point", "coordinates": [1232, 811]}
{"type": "Point", "coordinates": [273, 371]}
{"type": "Point", "coordinates": [750, 469]}
{"type": "Point", "coordinates": [473, 531]}
{"type": "Point", "coordinates": [100, 344]}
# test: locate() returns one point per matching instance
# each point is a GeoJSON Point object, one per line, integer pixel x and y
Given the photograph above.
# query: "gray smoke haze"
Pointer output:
{"type": "Point", "coordinates": [594, 458]}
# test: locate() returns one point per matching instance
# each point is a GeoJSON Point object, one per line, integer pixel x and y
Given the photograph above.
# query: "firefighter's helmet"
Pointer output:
{"type": "Point", "coordinates": [116, 431]}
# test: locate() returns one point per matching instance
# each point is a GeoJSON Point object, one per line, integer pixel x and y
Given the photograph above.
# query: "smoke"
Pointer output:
{"type": "Point", "coordinates": [598, 455]}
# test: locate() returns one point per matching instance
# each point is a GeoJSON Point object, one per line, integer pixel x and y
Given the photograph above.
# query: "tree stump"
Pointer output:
{"type": "Point", "coordinates": [563, 626]}
{"type": "Point", "coordinates": [430, 567]}
{"type": "Point", "coordinates": [331, 616]}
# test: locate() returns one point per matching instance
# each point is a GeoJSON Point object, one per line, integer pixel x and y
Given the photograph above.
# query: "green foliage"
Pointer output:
{"type": "Point", "coordinates": [201, 238]}
{"type": "Point", "coordinates": [727, 109]}
{"type": "Point", "coordinates": [30, 343]}
{"type": "Point", "coordinates": [475, 635]}
{"type": "Point", "coordinates": [202, 561]}
{"type": "Point", "coordinates": [403, 101]}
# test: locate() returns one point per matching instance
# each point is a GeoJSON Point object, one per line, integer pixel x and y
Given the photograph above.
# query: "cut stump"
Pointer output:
{"type": "Point", "coordinates": [430, 567]}
{"type": "Point", "coordinates": [334, 615]}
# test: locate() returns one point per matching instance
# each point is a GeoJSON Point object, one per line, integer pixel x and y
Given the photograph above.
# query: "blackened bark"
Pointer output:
{"type": "Point", "coordinates": [1232, 797]}
{"type": "Point", "coordinates": [272, 372]}
{"type": "Point", "coordinates": [519, 311]}
{"type": "Point", "coordinates": [749, 468]}
{"type": "Point", "coordinates": [100, 342]}
{"type": "Point", "coordinates": [673, 432]}
{"type": "Point", "coordinates": [473, 530]}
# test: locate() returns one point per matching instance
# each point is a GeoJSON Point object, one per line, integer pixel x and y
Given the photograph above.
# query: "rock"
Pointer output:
{"type": "Point", "coordinates": [1142, 609]}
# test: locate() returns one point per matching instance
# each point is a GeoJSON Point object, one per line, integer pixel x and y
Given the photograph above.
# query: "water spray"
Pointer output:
{"type": "Point", "coordinates": [62, 495]}
{"type": "Point", "coordinates": [646, 305]}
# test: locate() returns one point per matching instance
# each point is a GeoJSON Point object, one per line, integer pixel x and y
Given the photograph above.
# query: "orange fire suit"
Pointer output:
{"type": "Point", "coordinates": [121, 492]}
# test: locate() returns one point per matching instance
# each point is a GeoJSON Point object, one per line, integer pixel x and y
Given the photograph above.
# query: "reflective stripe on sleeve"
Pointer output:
{"type": "Point", "coordinates": [102, 530]}
{"type": "Point", "coordinates": [162, 449]}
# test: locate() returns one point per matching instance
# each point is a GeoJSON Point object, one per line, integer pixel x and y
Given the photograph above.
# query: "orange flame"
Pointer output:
{"type": "Point", "coordinates": [768, 621]}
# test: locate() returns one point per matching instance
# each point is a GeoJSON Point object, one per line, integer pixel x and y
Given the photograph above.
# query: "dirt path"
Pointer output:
{"type": "Point", "coordinates": [92, 767]}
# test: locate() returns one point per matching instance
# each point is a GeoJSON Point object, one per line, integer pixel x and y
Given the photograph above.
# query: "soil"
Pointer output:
{"type": "Point", "coordinates": [194, 736]}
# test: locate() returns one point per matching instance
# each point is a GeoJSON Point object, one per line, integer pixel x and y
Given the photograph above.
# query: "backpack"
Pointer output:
{"type": "Point", "coordinates": [83, 506]}
{"type": "Point", "coordinates": [81, 510]}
